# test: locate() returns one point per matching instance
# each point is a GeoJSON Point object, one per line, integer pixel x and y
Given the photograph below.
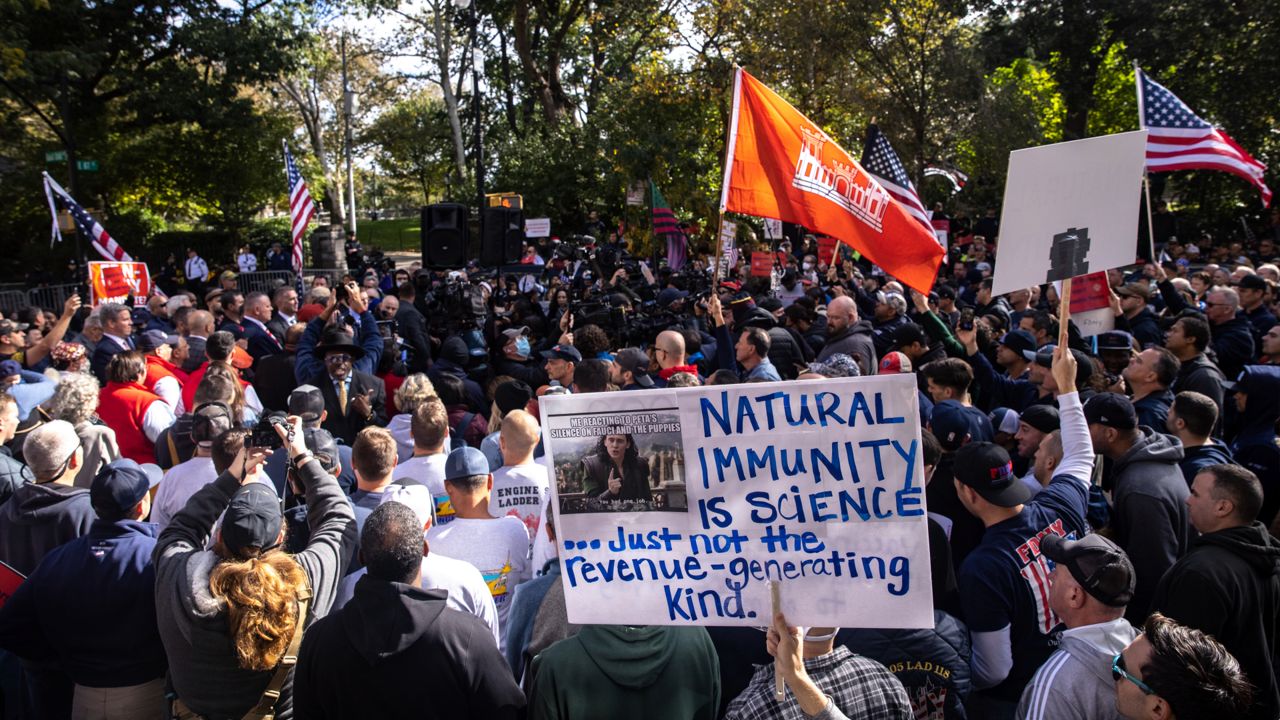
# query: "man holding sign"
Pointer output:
{"type": "Point", "coordinates": [1004, 582]}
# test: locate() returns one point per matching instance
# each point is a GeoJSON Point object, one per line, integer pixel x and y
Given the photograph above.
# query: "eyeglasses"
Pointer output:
{"type": "Point", "coordinates": [337, 359]}
{"type": "Point", "coordinates": [1118, 671]}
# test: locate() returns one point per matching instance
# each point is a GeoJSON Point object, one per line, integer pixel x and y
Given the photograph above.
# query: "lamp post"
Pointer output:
{"type": "Point", "coordinates": [477, 63]}
{"type": "Point", "coordinates": [348, 111]}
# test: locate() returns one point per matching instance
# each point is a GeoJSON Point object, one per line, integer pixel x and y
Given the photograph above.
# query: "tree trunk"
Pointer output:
{"type": "Point", "coordinates": [443, 53]}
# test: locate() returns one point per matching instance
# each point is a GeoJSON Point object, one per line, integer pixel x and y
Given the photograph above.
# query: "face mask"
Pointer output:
{"type": "Point", "coordinates": [808, 266]}
{"type": "Point", "coordinates": [522, 347]}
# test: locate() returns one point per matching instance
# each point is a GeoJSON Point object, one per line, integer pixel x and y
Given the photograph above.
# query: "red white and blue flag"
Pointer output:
{"type": "Point", "coordinates": [301, 209]}
{"type": "Point", "coordinates": [102, 242]}
{"type": "Point", "coordinates": [666, 225]}
{"type": "Point", "coordinates": [882, 163]}
{"type": "Point", "coordinates": [1178, 139]}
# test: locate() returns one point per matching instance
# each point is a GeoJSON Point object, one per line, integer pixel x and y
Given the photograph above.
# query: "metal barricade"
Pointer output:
{"type": "Point", "coordinates": [11, 301]}
{"type": "Point", "coordinates": [51, 297]}
{"type": "Point", "coordinates": [264, 280]}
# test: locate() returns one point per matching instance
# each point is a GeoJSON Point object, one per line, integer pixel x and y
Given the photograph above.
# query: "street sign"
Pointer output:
{"type": "Point", "coordinates": [54, 156]}
{"type": "Point", "coordinates": [87, 165]}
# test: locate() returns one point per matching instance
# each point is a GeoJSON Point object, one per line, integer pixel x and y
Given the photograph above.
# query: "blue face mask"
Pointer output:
{"type": "Point", "coordinates": [522, 346]}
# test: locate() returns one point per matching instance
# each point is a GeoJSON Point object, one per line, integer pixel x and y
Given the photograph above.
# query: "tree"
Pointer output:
{"type": "Point", "coordinates": [411, 142]}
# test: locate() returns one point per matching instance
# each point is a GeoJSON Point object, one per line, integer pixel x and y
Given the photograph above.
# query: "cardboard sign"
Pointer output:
{"type": "Point", "coordinates": [116, 281]}
{"type": "Point", "coordinates": [761, 264]}
{"type": "Point", "coordinates": [537, 227]}
{"type": "Point", "coordinates": [674, 507]}
{"type": "Point", "coordinates": [827, 249]}
{"type": "Point", "coordinates": [1070, 209]}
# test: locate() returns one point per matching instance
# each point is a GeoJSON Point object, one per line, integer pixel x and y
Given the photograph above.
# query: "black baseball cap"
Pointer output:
{"type": "Point", "coordinates": [563, 352]}
{"type": "Point", "coordinates": [252, 519]}
{"type": "Point", "coordinates": [307, 402]}
{"type": "Point", "coordinates": [1084, 364]}
{"type": "Point", "coordinates": [908, 334]}
{"type": "Point", "coordinates": [512, 395]}
{"type": "Point", "coordinates": [209, 421]}
{"type": "Point", "coordinates": [1252, 282]}
{"type": "Point", "coordinates": [636, 362]}
{"type": "Point", "coordinates": [321, 444]}
{"type": "Point", "coordinates": [1099, 565]}
{"type": "Point", "coordinates": [1115, 340]}
{"type": "Point", "coordinates": [1112, 410]}
{"type": "Point", "coordinates": [1020, 341]}
{"type": "Point", "coordinates": [1041, 417]}
{"type": "Point", "coordinates": [986, 468]}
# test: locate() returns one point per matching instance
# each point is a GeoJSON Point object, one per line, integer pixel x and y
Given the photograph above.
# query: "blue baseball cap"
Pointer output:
{"type": "Point", "coordinates": [253, 518]}
{"type": "Point", "coordinates": [954, 424]}
{"type": "Point", "coordinates": [118, 487]}
{"type": "Point", "coordinates": [465, 462]}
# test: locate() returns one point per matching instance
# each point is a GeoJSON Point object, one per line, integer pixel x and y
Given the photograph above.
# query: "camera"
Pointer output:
{"type": "Point", "coordinates": [264, 433]}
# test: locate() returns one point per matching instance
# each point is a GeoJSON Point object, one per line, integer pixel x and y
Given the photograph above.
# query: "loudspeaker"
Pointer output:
{"type": "Point", "coordinates": [444, 236]}
{"type": "Point", "coordinates": [503, 240]}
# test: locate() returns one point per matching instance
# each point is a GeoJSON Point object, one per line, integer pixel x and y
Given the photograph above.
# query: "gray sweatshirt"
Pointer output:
{"type": "Point", "coordinates": [194, 626]}
{"type": "Point", "coordinates": [1075, 682]}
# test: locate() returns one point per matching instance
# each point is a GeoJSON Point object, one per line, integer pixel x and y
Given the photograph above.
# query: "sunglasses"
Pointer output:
{"type": "Point", "coordinates": [337, 359]}
{"type": "Point", "coordinates": [1118, 671]}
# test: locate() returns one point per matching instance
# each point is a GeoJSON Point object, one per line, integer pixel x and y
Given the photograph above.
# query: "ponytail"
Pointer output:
{"type": "Point", "coordinates": [262, 596]}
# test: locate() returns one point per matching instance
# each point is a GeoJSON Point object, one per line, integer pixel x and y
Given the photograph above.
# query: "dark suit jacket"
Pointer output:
{"type": "Point", "coordinates": [345, 427]}
{"type": "Point", "coordinates": [107, 349]}
{"type": "Point", "coordinates": [412, 326]}
{"type": "Point", "coordinates": [278, 325]}
{"type": "Point", "coordinates": [233, 327]}
{"type": "Point", "coordinates": [261, 342]}
{"type": "Point", "coordinates": [273, 379]}
{"type": "Point", "coordinates": [635, 484]}
{"type": "Point", "coordinates": [195, 358]}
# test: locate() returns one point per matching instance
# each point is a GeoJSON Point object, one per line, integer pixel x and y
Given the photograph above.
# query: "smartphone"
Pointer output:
{"type": "Point", "coordinates": [966, 319]}
{"type": "Point", "coordinates": [387, 329]}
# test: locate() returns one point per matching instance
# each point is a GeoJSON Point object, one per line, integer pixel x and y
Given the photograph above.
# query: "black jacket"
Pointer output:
{"type": "Point", "coordinates": [412, 327]}
{"type": "Point", "coordinates": [1201, 375]}
{"type": "Point", "coordinates": [274, 379]}
{"type": "Point", "coordinates": [932, 664]}
{"type": "Point", "coordinates": [396, 651]}
{"type": "Point", "coordinates": [1228, 585]}
{"type": "Point", "coordinates": [1143, 326]}
{"type": "Point", "coordinates": [345, 426]}
{"type": "Point", "coordinates": [1233, 344]}
{"type": "Point", "coordinates": [13, 474]}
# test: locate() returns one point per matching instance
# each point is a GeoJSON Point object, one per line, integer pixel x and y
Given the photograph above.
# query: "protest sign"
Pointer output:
{"type": "Point", "coordinates": [116, 281]}
{"type": "Point", "coordinates": [674, 507]}
{"type": "Point", "coordinates": [537, 227]}
{"type": "Point", "coordinates": [635, 193]}
{"type": "Point", "coordinates": [826, 249]}
{"type": "Point", "coordinates": [1091, 305]}
{"type": "Point", "coordinates": [10, 579]}
{"type": "Point", "coordinates": [1070, 209]}
{"type": "Point", "coordinates": [761, 264]}
{"type": "Point", "coordinates": [728, 246]}
{"type": "Point", "coordinates": [772, 229]}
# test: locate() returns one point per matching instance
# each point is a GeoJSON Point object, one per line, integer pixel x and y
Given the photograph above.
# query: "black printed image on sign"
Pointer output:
{"type": "Point", "coordinates": [1068, 255]}
{"type": "Point", "coordinates": [632, 462]}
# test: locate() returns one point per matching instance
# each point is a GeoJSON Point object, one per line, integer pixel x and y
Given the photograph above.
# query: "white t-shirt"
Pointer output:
{"type": "Point", "coordinates": [498, 548]}
{"type": "Point", "coordinates": [520, 491]}
{"type": "Point", "coordinates": [428, 470]}
{"type": "Point", "coordinates": [179, 484]}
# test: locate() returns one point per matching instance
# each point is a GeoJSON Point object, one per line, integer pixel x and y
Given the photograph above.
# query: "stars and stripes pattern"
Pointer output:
{"type": "Point", "coordinates": [666, 226]}
{"type": "Point", "coordinates": [1178, 139]}
{"type": "Point", "coordinates": [879, 159]}
{"type": "Point", "coordinates": [301, 208]}
{"type": "Point", "coordinates": [99, 238]}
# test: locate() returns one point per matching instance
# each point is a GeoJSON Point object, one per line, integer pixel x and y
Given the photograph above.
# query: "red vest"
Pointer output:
{"type": "Point", "coordinates": [193, 381]}
{"type": "Point", "coordinates": [158, 369]}
{"type": "Point", "coordinates": [122, 407]}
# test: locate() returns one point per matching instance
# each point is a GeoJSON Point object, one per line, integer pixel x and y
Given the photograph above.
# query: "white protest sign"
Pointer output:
{"type": "Point", "coordinates": [635, 194]}
{"type": "Point", "coordinates": [673, 507]}
{"type": "Point", "coordinates": [1070, 209]}
{"type": "Point", "coordinates": [772, 229]}
{"type": "Point", "coordinates": [728, 247]}
{"type": "Point", "coordinates": [537, 227]}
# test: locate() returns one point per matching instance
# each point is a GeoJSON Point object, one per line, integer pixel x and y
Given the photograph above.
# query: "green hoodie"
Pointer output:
{"type": "Point", "coordinates": [625, 672]}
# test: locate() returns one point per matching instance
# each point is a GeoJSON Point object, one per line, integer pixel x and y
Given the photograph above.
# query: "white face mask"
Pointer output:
{"type": "Point", "coordinates": [807, 266]}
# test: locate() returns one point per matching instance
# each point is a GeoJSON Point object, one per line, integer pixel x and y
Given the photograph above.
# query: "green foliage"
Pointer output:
{"type": "Point", "coordinates": [413, 146]}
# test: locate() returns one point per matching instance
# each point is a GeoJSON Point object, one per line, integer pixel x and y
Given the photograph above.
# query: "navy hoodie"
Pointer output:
{"type": "Point", "coordinates": [1199, 457]}
{"type": "Point", "coordinates": [90, 606]}
{"type": "Point", "coordinates": [40, 517]}
{"type": "Point", "coordinates": [1255, 443]}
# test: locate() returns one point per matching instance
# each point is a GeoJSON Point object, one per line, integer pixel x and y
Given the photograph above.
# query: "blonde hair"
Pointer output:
{"type": "Point", "coordinates": [262, 595]}
{"type": "Point", "coordinates": [412, 392]}
{"type": "Point", "coordinates": [76, 398]}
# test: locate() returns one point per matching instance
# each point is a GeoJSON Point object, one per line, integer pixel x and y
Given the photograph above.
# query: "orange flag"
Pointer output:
{"type": "Point", "coordinates": [782, 166]}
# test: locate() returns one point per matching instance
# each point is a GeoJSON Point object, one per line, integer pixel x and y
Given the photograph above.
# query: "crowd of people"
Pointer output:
{"type": "Point", "coordinates": [219, 504]}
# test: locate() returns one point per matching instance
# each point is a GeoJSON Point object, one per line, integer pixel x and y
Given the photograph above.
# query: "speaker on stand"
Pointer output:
{"type": "Point", "coordinates": [445, 236]}
{"type": "Point", "coordinates": [503, 240]}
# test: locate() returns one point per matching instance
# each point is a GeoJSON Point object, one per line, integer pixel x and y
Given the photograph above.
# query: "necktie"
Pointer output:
{"type": "Point", "coordinates": [342, 397]}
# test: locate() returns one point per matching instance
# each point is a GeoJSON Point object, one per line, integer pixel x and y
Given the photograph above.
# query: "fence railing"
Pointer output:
{"type": "Point", "coordinates": [51, 297]}
{"type": "Point", "coordinates": [264, 280]}
{"type": "Point", "coordinates": [331, 275]}
{"type": "Point", "coordinates": [11, 301]}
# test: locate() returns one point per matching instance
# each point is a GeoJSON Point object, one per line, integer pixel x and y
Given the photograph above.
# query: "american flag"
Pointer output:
{"type": "Point", "coordinates": [1178, 139]}
{"type": "Point", "coordinates": [102, 242]}
{"type": "Point", "coordinates": [301, 209]}
{"type": "Point", "coordinates": [666, 225]}
{"type": "Point", "coordinates": [879, 159]}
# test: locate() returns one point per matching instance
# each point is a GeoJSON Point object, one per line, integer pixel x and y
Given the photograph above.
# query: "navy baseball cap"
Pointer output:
{"type": "Point", "coordinates": [1115, 340]}
{"type": "Point", "coordinates": [307, 402]}
{"type": "Point", "coordinates": [636, 362]}
{"type": "Point", "coordinates": [152, 339]}
{"type": "Point", "coordinates": [9, 368]}
{"type": "Point", "coordinates": [986, 468]}
{"type": "Point", "coordinates": [118, 487]}
{"type": "Point", "coordinates": [1020, 341]}
{"type": "Point", "coordinates": [954, 423]}
{"type": "Point", "coordinates": [1099, 565]}
{"type": "Point", "coordinates": [908, 334]}
{"type": "Point", "coordinates": [563, 352]}
{"type": "Point", "coordinates": [1084, 364]}
{"type": "Point", "coordinates": [465, 462]}
{"type": "Point", "coordinates": [253, 519]}
{"type": "Point", "coordinates": [1112, 410]}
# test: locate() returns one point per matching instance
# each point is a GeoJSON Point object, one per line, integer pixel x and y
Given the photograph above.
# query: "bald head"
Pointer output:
{"type": "Point", "coordinates": [671, 343]}
{"type": "Point", "coordinates": [520, 433]}
{"type": "Point", "coordinates": [841, 313]}
{"type": "Point", "coordinates": [200, 323]}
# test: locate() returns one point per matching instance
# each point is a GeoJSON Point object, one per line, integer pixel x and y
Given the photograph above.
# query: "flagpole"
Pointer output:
{"type": "Point", "coordinates": [1146, 182]}
{"type": "Point", "coordinates": [731, 132]}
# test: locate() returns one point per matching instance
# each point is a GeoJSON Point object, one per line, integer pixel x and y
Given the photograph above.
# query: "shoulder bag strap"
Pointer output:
{"type": "Point", "coordinates": [264, 710]}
